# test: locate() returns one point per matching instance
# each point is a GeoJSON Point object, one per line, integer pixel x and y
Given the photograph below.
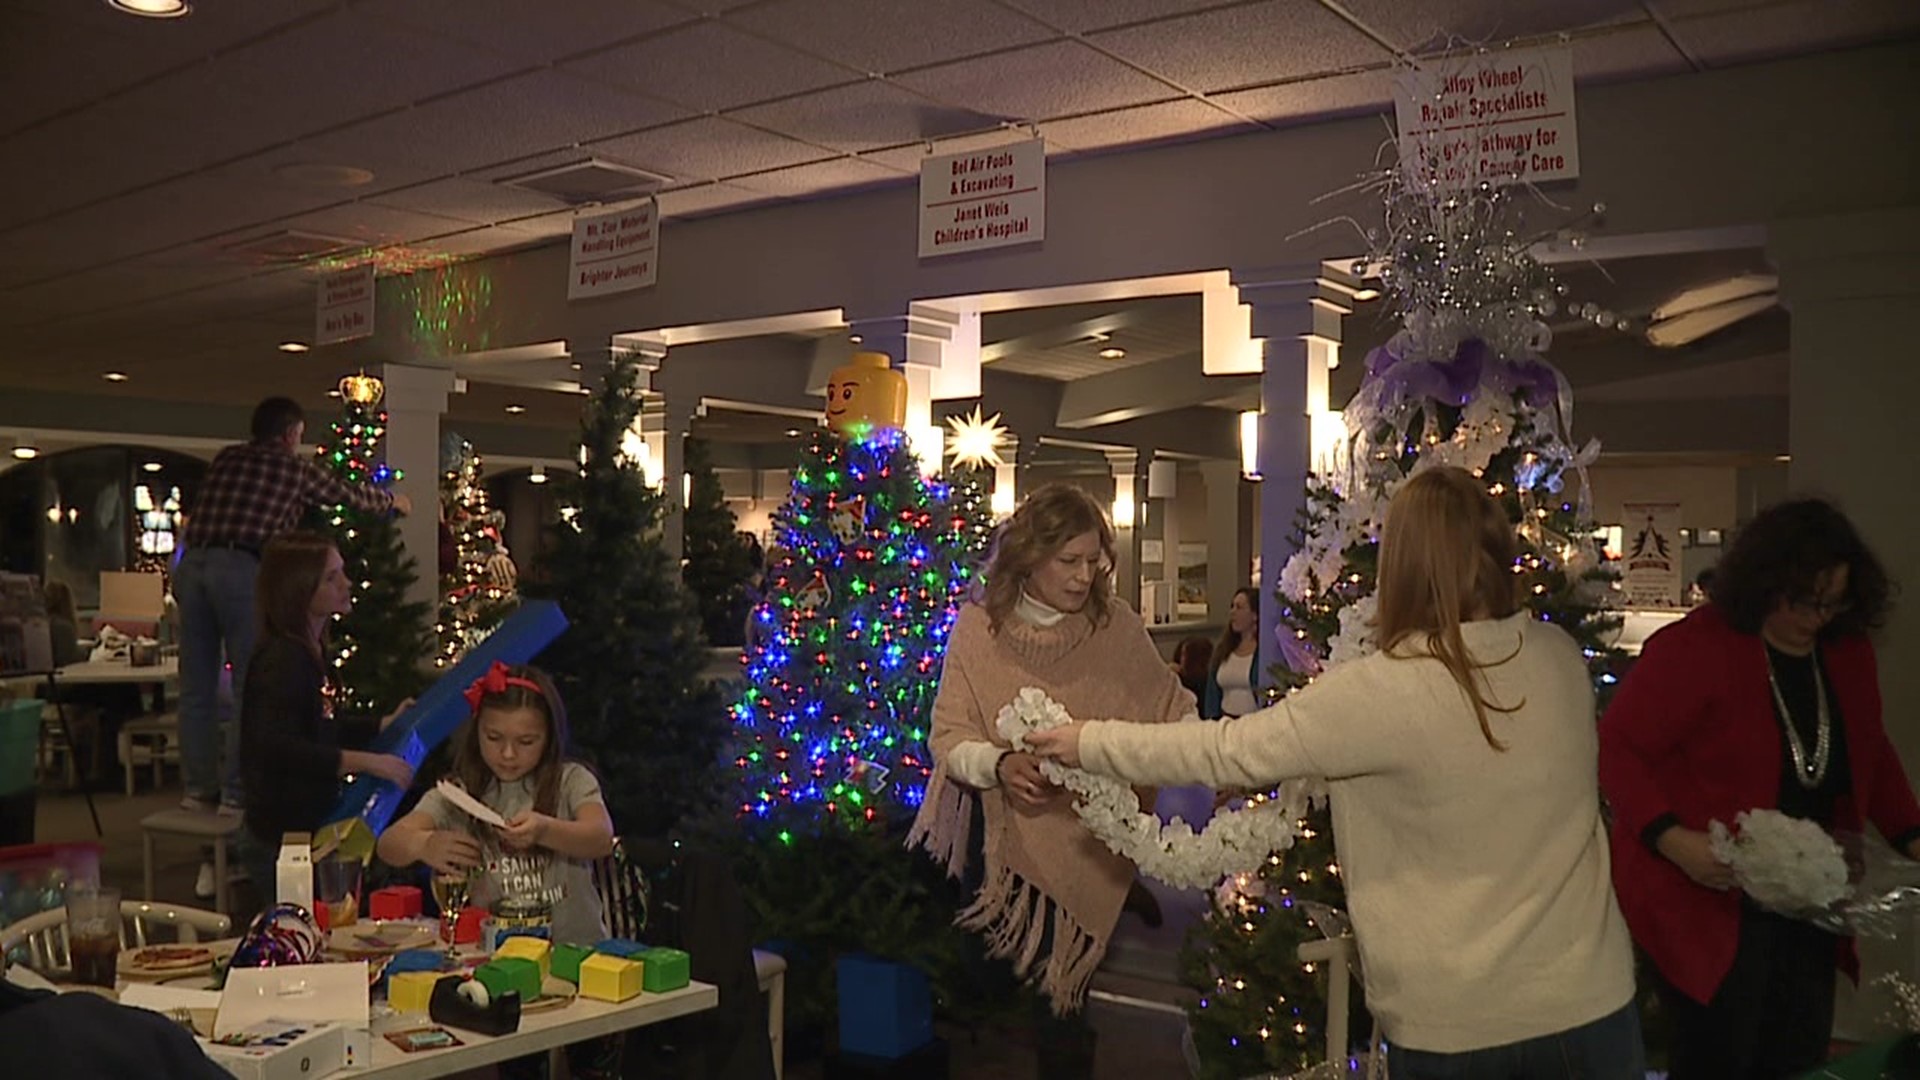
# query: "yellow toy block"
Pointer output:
{"type": "Point", "coordinates": [538, 950]}
{"type": "Point", "coordinates": [408, 991]}
{"type": "Point", "coordinates": [610, 978]}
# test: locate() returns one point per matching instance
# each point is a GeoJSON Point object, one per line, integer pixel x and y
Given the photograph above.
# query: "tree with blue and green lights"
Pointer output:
{"type": "Point", "coordinates": [871, 563]}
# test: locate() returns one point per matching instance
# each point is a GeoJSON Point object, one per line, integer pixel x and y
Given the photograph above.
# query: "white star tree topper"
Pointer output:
{"type": "Point", "coordinates": [976, 442]}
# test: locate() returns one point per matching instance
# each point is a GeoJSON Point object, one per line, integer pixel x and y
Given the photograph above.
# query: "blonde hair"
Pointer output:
{"type": "Point", "coordinates": [1046, 522]}
{"type": "Point", "coordinates": [1447, 555]}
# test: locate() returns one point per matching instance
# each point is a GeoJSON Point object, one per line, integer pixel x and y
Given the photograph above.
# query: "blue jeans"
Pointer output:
{"type": "Point", "coordinates": [214, 588]}
{"type": "Point", "coordinates": [1606, 1049]}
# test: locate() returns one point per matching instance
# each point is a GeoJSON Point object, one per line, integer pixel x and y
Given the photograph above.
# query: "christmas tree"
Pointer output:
{"type": "Point", "coordinates": [718, 562]}
{"type": "Point", "coordinates": [1463, 383]}
{"type": "Point", "coordinates": [476, 592]}
{"type": "Point", "coordinates": [379, 646]}
{"type": "Point", "coordinates": [630, 665]}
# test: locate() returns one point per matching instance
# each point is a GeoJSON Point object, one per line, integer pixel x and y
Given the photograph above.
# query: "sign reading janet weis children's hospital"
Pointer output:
{"type": "Point", "coordinates": [614, 252]}
{"type": "Point", "coordinates": [1506, 117]}
{"type": "Point", "coordinates": [983, 198]}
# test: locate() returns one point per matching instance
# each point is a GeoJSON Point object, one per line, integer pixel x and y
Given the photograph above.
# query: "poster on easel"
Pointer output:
{"type": "Point", "coordinates": [1651, 554]}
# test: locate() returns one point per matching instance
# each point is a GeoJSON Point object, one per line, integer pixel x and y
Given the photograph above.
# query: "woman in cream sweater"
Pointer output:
{"type": "Point", "coordinates": [1461, 759]}
{"type": "Point", "coordinates": [1051, 894]}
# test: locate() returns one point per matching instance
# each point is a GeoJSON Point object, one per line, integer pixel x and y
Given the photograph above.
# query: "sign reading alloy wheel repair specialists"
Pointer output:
{"type": "Point", "coordinates": [1504, 117]}
{"type": "Point", "coordinates": [614, 252]}
{"type": "Point", "coordinates": [983, 198]}
{"type": "Point", "coordinates": [343, 306]}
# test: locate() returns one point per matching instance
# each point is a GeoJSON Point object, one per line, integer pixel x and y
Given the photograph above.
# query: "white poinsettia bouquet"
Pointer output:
{"type": "Point", "coordinates": [1233, 842]}
{"type": "Point", "coordinates": [1786, 864]}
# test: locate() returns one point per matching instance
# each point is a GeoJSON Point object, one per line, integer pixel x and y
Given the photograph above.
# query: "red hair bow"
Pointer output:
{"type": "Point", "coordinates": [496, 681]}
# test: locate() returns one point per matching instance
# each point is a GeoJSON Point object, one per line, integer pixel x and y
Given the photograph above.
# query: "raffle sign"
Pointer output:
{"type": "Point", "coordinates": [983, 199]}
{"type": "Point", "coordinates": [614, 252]}
{"type": "Point", "coordinates": [1652, 553]}
{"type": "Point", "coordinates": [343, 308]}
{"type": "Point", "coordinates": [1505, 117]}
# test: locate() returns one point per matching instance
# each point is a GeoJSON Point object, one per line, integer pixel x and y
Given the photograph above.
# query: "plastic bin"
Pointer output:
{"type": "Point", "coordinates": [35, 877]}
{"type": "Point", "coordinates": [19, 743]}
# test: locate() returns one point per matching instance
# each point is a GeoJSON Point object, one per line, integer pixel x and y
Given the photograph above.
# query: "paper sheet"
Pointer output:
{"type": "Point", "coordinates": [458, 796]}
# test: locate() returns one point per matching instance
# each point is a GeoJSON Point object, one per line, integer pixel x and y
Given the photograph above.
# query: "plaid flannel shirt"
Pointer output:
{"type": "Point", "coordinates": [253, 492]}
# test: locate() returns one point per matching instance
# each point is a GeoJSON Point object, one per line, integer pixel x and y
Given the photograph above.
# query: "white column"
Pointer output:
{"type": "Point", "coordinates": [1229, 534]}
{"type": "Point", "coordinates": [1009, 483]}
{"type": "Point", "coordinates": [1296, 318]}
{"type": "Point", "coordinates": [1162, 527]}
{"type": "Point", "coordinates": [1128, 509]}
{"type": "Point", "coordinates": [939, 352]}
{"type": "Point", "coordinates": [416, 399]}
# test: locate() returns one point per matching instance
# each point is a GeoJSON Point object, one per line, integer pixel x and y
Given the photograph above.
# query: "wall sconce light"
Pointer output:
{"type": "Point", "coordinates": [1250, 445]}
{"type": "Point", "coordinates": [1123, 507]}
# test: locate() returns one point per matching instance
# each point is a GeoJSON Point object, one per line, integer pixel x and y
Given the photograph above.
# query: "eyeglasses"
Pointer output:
{"type": "Point", "coordinates": [1825, 609]}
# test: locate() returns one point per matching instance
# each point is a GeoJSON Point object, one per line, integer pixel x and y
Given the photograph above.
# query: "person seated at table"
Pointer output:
{"type": "Point", "coordinates": [512, 756]}
{"type": "Point", "coordinates": [291, 759]}
{"type": "Point", "coordinates": [96, 712]}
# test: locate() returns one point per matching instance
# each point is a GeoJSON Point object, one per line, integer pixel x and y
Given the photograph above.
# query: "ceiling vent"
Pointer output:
{"type": "Point", "coordinates": [592, 181]}
{"type": "Point", "coordinates": [286, 246]}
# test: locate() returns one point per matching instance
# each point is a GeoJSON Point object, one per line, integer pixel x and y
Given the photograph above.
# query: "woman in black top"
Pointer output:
{"type": "Point", "coordinates": [291, 761]}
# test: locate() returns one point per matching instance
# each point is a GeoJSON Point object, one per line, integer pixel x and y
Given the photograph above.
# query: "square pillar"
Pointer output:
{"type": "Point", "coordinates": [1127, 510]}
{"type": "Point", "coordinates": [416, 400]}
{"type": "Point", "coordinates": [1229, 535]}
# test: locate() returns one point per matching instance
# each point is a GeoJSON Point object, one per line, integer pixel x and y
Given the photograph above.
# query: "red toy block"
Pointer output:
{"type": "Point", "coordinates": [396, 902]}
{"type": "Point", "coordinates": [467, 930]}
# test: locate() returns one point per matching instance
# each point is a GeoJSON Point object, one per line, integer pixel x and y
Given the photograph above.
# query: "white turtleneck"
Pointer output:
{"type": "Point", "coordinates": [975, 763]}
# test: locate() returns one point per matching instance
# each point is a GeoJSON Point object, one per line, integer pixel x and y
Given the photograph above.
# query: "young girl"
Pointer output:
{"type": "Point", "coordinates": [512, 756]}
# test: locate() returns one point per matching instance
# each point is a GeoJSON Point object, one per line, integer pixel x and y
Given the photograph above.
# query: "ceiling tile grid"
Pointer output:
{"type": "Point", "coordinates": [1630, 52]}
{"type": "Point", "coordinates": [546, 31]}
{"type": "Point", "coordinates": [705, 199]}
{"type": "Point", "coordinates": [1181, 118]}
{"type": "Point", "coordinates": [707, 149]}
{"type": "Point", "coordinates": [1311, 99]}
{"type": "Point", "coordinates": [846, 173]}
{"type": "Point", "coordinates": [862, 116]}
{"type": "Point", "coordinates": [1082, 16]}
{"type": "Point", "coordinates": [1247, 45]}
{"type": "Point", "coordinates": [476, 201]}
{"type": "Point", "coordinates": [710, 67]}
{"type": "Point", "coordinates": [879, 36]}
{"type": "Point", "coordinates": [1801, 26]}
{"type": "Point", "coordinates": [908, 157]}
{"type": "Point", "coordinates": [1063, 78]}
{"type": "Point", "coordinates": [1447, 24]}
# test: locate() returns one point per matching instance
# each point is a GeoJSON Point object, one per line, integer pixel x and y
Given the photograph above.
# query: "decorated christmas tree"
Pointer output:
{"type": "Point", "coordinates": [379, 646]}
{"type": "Point", "coordinates": [629, 666]}
{"type": "Point", "coordinates": [476, 590]}
{"type": "Point", "coordinates": [717, 561]}
{"type": "Point", "coordinates": [1463, 383]}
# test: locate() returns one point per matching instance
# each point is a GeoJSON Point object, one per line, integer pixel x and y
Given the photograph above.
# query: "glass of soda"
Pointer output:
{"type": "Point", "coordinates": [93, 934]}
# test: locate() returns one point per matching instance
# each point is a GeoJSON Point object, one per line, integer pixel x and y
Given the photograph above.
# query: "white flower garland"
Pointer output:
{"type": "Point", "coordinates": [1234, 842]}
{"type": "Point", "coordinates": [1787, 864]}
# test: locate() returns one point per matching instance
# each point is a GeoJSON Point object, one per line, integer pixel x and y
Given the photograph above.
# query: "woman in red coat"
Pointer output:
{"type": "Point", "coordinates": [1765, 698]}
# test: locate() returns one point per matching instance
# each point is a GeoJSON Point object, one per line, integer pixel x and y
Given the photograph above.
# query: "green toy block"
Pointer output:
{"type": "Point", "coordinates": [667, 969]}
{"type": "Point", "coordinates": [566, 961]}
{"type": "Point", "coordinates": [511, 973]}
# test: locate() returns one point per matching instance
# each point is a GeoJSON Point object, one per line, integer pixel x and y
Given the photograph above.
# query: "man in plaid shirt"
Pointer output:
{"type": "Point", "coordinates": [253, 492]}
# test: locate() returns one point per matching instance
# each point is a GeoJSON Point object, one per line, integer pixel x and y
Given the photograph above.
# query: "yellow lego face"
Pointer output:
{"type": "Point", "coordinates": [865, 394]}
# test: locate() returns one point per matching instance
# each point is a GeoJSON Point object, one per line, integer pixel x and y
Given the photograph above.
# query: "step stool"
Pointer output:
{"type": "Point", "coordinates": [215, 829]}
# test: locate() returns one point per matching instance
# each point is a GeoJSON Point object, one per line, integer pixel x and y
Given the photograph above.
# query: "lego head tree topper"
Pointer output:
{"type": "Point", "coordinates": [866, 394]}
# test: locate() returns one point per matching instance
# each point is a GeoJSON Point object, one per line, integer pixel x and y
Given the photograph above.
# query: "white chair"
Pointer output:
{"type": "Point", "coordinates": [152, 740]}
{"type": "Point", "coordinates": [1342, 959]}
{"type": "Point", "coordinates": [215, 829]}
{"type": "Point", "coordinates": [772, 971]}
{"type": "Point", "coordinates": [45, 934]}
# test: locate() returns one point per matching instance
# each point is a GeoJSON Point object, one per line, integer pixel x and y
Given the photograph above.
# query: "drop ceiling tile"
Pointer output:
{"type": "Point", "coordinates": [710, 67]}
{"type": "Point", "coordinates": [861, 116]}
{"type": "Point", "coordinates": [1039, 82]}
{"type": "Point", "coordinates": [1683, 8]}
{"type": "Point", "coordinates": [707, 149]}
{"type": "Point", "coordinates": [372, 224]}
{"type": "Point", "coordinates": [1458, 23]}
{"type": "Point", "coordinates": [821, 177]}
{"type": "Point", "coordinates": [1633, 52]}
{"type": "Point", "coordinates": [1795, 28]}
{"type": "Point", "coordinates": [501, 121]}
{"type": "Point", "coordinates": [1244, 46]}
{"type": "Point", "coordinates": [1081, 16]}
{"type": "Point", "coordinates": [704, 199]}
{"type": "Point", "coordinates": [469, 200]}
{"type": "Point", "coordinates": [546, 31]}
{"type": "Point", "coordinates": [477, 242]}
{"type": "Point", "coordinates": [888, 35]}
{"type": "Point", "coordinates": [1168, 121]}
{"type": "Point", "coordinates": [1314, 99]}
{"type": "Point", "coordinates": [907, 158]}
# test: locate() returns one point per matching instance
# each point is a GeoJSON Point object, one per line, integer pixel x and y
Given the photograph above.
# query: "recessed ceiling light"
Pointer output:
{"type": "Point", "coordinates": [516, 410]}
{"type": "Point", "coordinates": [151, 466]}
{"type": "Point", "coordinates": [855, 338]}
{"type": "Point", "coordinates": [293, 346]}
{"type": "Point", "coordinates": [26, 453]}
{"type": "Point", "coordinates": [538, 475]}
{"type": "Point", "coordinates": [793, 433]}
{"type": "Point", "coordinates": [1112, 354]}
{"type": "Point", "coordinates": [333, 393]}
{"type": "Point", "coordinates": [152, 9]}
{"type": "Point", "coordinates": [116, 376]}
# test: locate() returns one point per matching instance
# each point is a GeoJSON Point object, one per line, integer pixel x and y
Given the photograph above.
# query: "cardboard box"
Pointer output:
{"type": "Point", "coordinates": [511, 973]}
{"type": "Point", "coordinates": [293, 872]}
{"type": "Point", "coordinates": [411, 991]}
{"type": "Point", "coordinates": [281, 1050]}
{"type": "Point", "coordinates": [610, 978]}
{"type": "Point", "coordinates": [566, 962]}
{"type": "Point", "coordinates": [667, 969]}
{"type": "Point", "coordinates": [538, 950]}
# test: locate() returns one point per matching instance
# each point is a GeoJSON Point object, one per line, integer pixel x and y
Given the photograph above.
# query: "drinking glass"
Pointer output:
{"type": "Point", "coordinates": [93, 933]}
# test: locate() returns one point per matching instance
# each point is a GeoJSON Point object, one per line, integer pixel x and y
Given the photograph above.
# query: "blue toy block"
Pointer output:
{"type": "Point", "coordinates": [443, 708]}
{"type": "Point", "coordinates": [620, 947]}
{"type": "Point", "coordinates": [886, 1008]}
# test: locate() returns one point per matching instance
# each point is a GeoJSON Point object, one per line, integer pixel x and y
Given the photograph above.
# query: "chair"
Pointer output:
{"type": "Point", "coordinates": [44, 935]}
{"type": "Point", "coordinates": [1342, 959]}
{"type": "Point", "coordinates": [771, 968]}
{"type": "Point", "coordinates": [157, 737]}
{"type": "Point", "coordinates": [215, 829]}
{"type": "Point", "coordinates": [624, 893]}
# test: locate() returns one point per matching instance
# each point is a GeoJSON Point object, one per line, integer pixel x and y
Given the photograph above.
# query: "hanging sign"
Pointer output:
{"type": "Point", "coordinates": [983, 198]}
{"type": "Point", "coordinates": [1651, 539]}
{"type": "Point", "coordinates": [614, 252]}
{"type": "Point", "coordinates": [343, 307]}
{"type": "Point", "coordinates": [1505, 117]}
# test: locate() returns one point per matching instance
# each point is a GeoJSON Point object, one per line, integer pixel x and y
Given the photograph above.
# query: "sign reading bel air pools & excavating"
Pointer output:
{"type": "Point", "coordinates": [983, 198]}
